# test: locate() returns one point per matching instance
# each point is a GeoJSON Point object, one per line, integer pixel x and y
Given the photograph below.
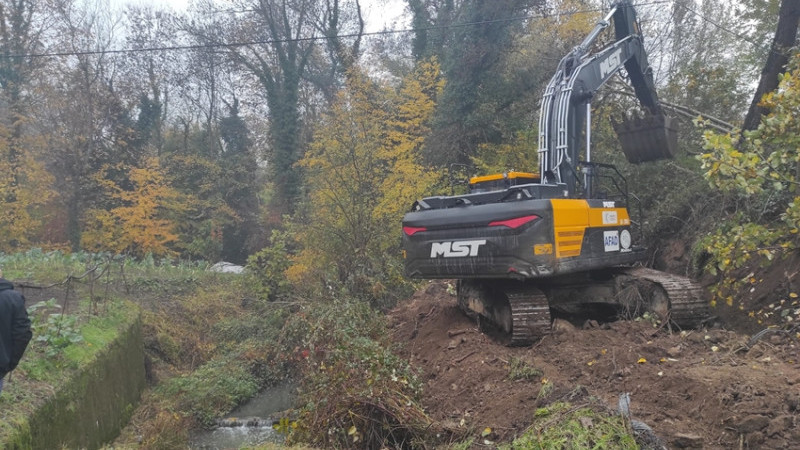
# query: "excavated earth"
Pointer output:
{"type": "Point", "coordinates": [713, 388]}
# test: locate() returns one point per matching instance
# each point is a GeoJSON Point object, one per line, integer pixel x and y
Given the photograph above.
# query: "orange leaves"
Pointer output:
{"type": "Point", "coordinates": [24, 191]}
{"type": "Point", "coordinates": [138, 225]}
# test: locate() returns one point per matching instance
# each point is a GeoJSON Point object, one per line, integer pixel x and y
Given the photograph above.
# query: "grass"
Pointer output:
{"type": "Point", "coordinates": [42, 371]}
{"type": "Point", "coordinates": [519, 369]}
{"type": "Point", "coordinates": [183, 303]}
{"type": "Point", "coordinates": [53, 267]}
{"type": "Point", "coordinates": [564, 426]}
{"type": "Point", "coordinates": [211, 391]}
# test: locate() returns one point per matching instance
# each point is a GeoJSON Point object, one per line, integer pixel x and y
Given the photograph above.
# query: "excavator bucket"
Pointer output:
{"type": "Point", "coordinates": [649, 138]}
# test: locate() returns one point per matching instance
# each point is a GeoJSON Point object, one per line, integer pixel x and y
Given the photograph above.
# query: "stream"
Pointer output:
{"type": "Point", "coordinates": [249, 424]}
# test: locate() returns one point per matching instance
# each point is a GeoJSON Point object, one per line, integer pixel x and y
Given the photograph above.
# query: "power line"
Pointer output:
{"type": "Point", "coordinates": [307, 39]}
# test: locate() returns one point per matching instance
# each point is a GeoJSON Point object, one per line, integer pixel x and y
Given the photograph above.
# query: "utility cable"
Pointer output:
{"type": "Point", "coordinates": [306, 39]}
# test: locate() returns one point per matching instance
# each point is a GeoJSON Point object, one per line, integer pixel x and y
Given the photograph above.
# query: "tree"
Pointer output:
{"type": "Point", "coordinates": [204, 213]}
{"type": "Point", "coordinates": [24, 184]}
{"type": "Point", "coordinates": [364, 169]}
{"type": "Point", "coordinates": [778, 57]}
{"type": "Point", "coordinates": [703, 65]}
{"type": "Point", "coordinates": [758, 169]}
{"type": "Point", "coordinates": [279, 55]}
{"type": "Point", "coordinates": [19, 38]}
{"type": "Point", "coordinates": [239, 187]}
{"type": "Point", "coordinates": [138, 225]}
{"type": "Point", "coordinates": [521, 75]}
{"type": "Point", "coordinates": [87, 122]}
{"type": "Point", "coordinates": [146, 75]}
{"type": "Point", "coordinates": [470, 39]}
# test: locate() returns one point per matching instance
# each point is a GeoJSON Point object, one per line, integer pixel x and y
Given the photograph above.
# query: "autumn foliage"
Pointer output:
{"type": "Point", "coordinates": [363, 171]}
{"type": "Point", "coordinates": [759, 173]}
{"type": "Point", "coordinates": [138, 225]}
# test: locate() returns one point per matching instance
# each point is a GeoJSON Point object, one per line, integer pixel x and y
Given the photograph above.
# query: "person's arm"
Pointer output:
{"type": "Point", "coordinates": [20, 332]}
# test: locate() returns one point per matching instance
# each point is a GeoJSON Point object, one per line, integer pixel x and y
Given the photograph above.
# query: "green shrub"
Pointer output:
{"type": "Point", "coordinates": [212, 390]}
{"type": "Point", "coordinates": [266, 269]}
{"type": "Point", "coordinates": [54, 331]}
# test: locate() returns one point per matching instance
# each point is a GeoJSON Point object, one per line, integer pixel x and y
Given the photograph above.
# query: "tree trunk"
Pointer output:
{"type": "Point", "coordinates": [785, 35]}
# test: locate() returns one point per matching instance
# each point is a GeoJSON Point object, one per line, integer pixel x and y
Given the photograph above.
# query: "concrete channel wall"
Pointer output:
{"type": "Point", "coordinates": [93, 406]}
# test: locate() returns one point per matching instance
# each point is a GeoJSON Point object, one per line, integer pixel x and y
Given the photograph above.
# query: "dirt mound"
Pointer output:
{"type": "Point", "coordinates": [715, 388]}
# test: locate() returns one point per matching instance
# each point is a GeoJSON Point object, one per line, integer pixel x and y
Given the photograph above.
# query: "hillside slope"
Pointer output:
{"type": "Point", "coordinates": [694, 388]}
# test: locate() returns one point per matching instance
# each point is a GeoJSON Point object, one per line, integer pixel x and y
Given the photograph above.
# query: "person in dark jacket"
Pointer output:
{"type": "Point", "coordinates": [15, 328]}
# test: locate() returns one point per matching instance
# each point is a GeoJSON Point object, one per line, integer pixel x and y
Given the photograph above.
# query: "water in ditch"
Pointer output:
{"type": "Point", "coordinates": [249, 424]}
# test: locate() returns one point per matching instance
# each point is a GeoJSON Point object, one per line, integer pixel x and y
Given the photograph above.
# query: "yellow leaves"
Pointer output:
{"type": "Point", "coordinates": [354, 434]}
{"type": "Point", "coordinates": [574, 22]}
{"type": "Point", "coordinates": [516, 155]}
{"type": "Point", "coordinates": [641, 361]}
{"type": "Point", "coordinates": [99, 230]}
{"type": "Point", "coordinates": [758, 168]}
{"type": "Point", "coordinates": [138, 225]}
{"type": "Point", "coordinates": [363, 170]}
{"type": "Point", "coordinates": [25, 189]}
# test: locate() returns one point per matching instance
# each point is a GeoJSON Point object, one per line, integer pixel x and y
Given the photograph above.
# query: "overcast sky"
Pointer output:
{"type": "Point", "coordinates": [378, 13]}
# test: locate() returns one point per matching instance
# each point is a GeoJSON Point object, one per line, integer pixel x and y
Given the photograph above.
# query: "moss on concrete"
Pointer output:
{"type": "Point", "coordinates": [91, 407]}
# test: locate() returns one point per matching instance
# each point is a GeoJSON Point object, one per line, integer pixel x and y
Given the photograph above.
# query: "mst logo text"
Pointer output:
{"type": "Point", "coordinates": [456, 249]}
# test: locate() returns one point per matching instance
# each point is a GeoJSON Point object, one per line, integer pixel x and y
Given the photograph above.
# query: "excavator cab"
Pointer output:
{"type": "Point", "coordinates": [648, 138]}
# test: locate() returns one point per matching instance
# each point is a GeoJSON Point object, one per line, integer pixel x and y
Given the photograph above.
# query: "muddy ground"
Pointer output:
{"type": "Point", "coordinates": [713, 388]}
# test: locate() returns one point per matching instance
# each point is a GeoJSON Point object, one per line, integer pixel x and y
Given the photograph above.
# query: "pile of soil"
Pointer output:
{"type": "Point", "coordinates": [715, 389]}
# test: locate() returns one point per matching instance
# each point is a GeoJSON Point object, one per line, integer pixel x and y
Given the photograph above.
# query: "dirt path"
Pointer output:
{"type": "Point", "coordinates": [698, 388]}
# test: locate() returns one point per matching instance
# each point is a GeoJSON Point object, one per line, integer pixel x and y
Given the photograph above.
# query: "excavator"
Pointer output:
{"type": "Point", "coordinates": [526, 246]}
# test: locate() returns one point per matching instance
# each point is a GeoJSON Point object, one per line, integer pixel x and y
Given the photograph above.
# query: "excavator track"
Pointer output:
{"type": "Point", "coordinates": [687, 306]}
{"type": "Point", "coordinates": [520, 311]}
{"type": "Point", "coordinates": [530, 315]}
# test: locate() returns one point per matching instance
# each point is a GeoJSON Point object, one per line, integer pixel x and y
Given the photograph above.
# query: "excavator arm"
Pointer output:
{"type": "Point", "coordinates": [566, 104]}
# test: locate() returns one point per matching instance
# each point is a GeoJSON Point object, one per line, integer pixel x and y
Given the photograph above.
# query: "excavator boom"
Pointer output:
{"type": "Point", "coordinates": [566, 104]}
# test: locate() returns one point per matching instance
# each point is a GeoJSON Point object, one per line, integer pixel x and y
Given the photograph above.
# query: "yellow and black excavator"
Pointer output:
{"type": "Point", "coordinates": [524, 244]}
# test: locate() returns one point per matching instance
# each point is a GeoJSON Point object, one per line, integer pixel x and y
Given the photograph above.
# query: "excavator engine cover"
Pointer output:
{"type": "Point", "coordinates": [648, 139]}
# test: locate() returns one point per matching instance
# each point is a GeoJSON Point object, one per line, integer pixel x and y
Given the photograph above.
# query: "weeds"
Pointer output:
{"type": "Point", "coordinates": [519, 369]}
{"type": "Point", "coordinates": [54, 331]}
{"type": "Point", "coordinates": [546, 389]}
{"type": "Point", "coordinates": [63, 343]}
{"type": "Point", "coordinates": [565, 426]}
{"type": "Point", "coordinates": [355, 390]}
{"type": "Point", "coordinates": [212, 390]}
